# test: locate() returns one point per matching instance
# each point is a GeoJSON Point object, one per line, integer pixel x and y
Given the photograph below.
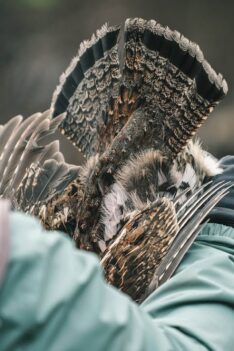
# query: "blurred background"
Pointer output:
{"type": "Point", "coordinates": [38, 38]}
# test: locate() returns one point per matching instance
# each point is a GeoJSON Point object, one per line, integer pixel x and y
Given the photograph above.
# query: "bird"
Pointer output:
{"type": "Point", "coordinates": [131, 101]}
{"type": "Point", "coordinates": [134, 99]}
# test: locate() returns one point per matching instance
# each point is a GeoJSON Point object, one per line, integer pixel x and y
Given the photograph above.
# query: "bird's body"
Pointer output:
{"type": "Point", "coordinates": [133, 102]}
{"type": "Point", "coordinates": [133, 106]}
{"type": "Point", "coordinates": [149, 176]}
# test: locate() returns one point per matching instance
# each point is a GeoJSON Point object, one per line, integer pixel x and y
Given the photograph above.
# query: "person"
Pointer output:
{"type": "Point", "coordinates": [53, 297]}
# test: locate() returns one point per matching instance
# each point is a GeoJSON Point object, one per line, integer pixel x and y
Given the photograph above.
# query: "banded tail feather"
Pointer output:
{"type": "Point", "coordinates": [133, 116]}
{"type": "Point", "coordinates": [162, 84]}
{"type": "Point", "coordinates": [86, 90]}
{"type": "Point", "coordinates": [121, 108]}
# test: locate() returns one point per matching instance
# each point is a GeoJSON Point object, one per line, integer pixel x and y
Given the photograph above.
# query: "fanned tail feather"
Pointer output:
{"type": "Point", "coordinates": [178, 85]}
{"type": "Point", "coordinates": [86, 88]}
{"type": "Point", "coordinates": [156, 95]}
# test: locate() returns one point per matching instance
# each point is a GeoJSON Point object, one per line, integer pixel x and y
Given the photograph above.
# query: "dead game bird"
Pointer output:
{"type": "Point", "coordinates": [131, 101]}
{"type": "Point", "coordinates": [134, 100]}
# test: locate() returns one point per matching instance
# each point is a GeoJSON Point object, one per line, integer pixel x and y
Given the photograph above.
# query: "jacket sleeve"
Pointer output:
{"type": "Point", "coordinates": [54, 298]}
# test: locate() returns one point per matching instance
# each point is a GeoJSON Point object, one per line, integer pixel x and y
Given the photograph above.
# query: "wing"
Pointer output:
{"type": "Point", "coordinates": [128, 259]}
{"type": "Point", "coordinates": [32, 172]}
{"type": "Point", "coordinates": [189, 222]}
{"type": "Point", "coordinates": [153, 242]}
{"type": "Point", "coordinates": [154, 95]}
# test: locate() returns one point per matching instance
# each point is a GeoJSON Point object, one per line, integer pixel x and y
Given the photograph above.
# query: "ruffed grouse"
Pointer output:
{"type": "Point", "coordinates": [133, 101]}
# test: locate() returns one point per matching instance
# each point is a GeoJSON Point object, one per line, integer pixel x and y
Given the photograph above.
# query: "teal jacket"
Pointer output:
{"type": "Point", "coordinates": [54, 298]}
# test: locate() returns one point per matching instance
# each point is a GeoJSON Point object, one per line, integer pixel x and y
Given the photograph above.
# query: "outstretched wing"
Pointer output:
{"type": "Point", "coordinates": [160, 90]}
{"type": "Point", "coordinates": [31, 171]}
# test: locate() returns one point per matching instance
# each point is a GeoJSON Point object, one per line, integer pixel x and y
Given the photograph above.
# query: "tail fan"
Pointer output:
{"type": "Point", "coordinates": [86, 90]}
{"type": "Point", "coordinates": [158, 93]}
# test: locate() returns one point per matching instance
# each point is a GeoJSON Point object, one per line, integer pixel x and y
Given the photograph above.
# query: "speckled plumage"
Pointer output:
{"type": "Point", "coordinates": [152, 241]}
{"type": "Point", "coordinates": [161, 74]}
{"type": "Point", "coordinates": [34, 173]}
{"type": "Point", "coordinates": [129, 99]}
{"type": "Point", "coordinates": [133, 101]}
